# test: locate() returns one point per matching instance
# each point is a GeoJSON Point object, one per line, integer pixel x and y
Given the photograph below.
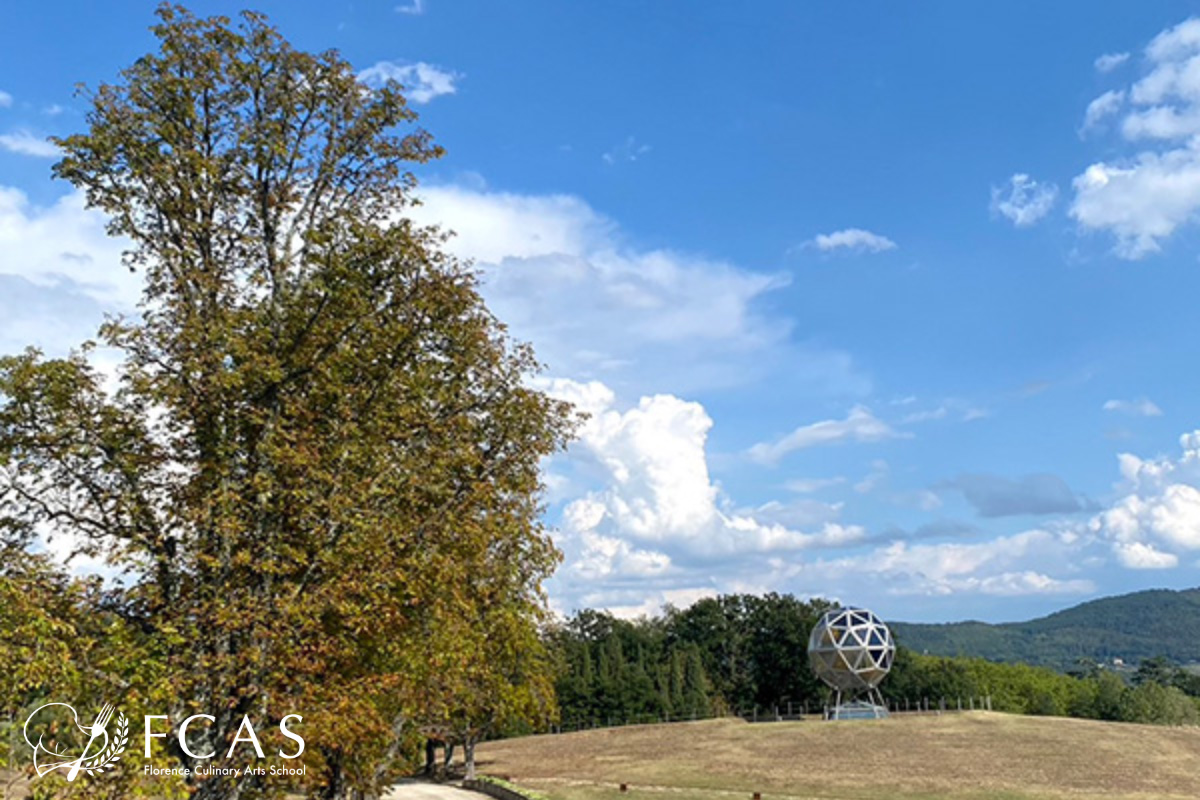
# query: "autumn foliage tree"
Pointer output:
{"type": "Point", "coordinates": [319, 435]}
{"type": "Point", "coordinates": [500, 679]}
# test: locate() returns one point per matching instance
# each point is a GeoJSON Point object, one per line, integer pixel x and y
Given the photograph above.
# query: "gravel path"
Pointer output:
{"type": "Point", "coordinates": [415, 790]}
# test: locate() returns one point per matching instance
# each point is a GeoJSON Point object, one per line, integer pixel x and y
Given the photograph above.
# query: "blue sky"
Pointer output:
{"type": "Point", "coordinates": [886, 303]}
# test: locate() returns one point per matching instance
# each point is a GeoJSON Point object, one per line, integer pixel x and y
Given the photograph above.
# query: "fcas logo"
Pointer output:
{"type": "Point", "coordinates": [61, 741]}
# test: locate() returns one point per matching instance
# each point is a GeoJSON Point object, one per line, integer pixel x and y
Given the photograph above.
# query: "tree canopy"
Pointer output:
{"type": "Point", "coordinates": [318, 435]}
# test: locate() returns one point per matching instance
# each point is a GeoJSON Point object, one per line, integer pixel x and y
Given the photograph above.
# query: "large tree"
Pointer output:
{"type": "Point", "coordinates": [319, 433]}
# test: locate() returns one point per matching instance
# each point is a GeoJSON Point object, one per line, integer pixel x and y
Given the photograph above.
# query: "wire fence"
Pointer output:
{"type": "Point", "coordinates": [786, 712]}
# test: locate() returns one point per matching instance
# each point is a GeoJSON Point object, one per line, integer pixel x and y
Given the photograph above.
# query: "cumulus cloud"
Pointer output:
{"type": "Point", "coordinates": [1157, 516]}
{"type": "Point", "coordinates": [860, 425]}
{"type": "Point", "coordinates": [422, 82]}
{"type": "Point", "coordinates": [1110, 61]}
{"type": "Point", "coordinates": [654, 527]}
{"type": "Point", "coordinates": [1141, 407]}
{"type": "Point", "coordinates": [1139, 555]}
{"type": "Point", "coordinates": [657, 493]}
{"type": "Point", "coordinates": [25, 143]}
{"type": "Point", "coordinates": [854, 240]}
{"type": "Point", "coordinates": [1023, 201]}
{"type": "Point", "coordinates": [1141, 203]}
{"type": "Point", "coordinates": [995, 496]}
{"type": "Point", "coordinates": [1142, 197]}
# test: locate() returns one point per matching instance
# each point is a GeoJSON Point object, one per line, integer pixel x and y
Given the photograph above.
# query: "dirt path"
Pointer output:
{"type": "Point", "coordinates": [416, 790]}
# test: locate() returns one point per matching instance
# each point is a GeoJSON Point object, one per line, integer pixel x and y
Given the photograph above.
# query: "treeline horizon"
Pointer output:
{"type": "Point", "coordinates": [734, 654]}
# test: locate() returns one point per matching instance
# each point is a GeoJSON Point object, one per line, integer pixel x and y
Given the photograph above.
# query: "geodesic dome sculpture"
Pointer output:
{"type": "Point", "coordinates": [851, 650]}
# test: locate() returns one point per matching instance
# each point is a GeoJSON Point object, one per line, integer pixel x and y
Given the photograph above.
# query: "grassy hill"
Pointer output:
{"type": "Point", "coordinates": [1131, 627]}
{"type": "Point", "coordinates": [979, 756]}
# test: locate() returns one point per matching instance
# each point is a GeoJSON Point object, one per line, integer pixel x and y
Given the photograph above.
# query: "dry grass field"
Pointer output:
{"type": "Point", "coordinates": [983, 756]}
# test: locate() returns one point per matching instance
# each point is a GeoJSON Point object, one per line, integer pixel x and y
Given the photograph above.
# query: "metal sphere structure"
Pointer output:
{"type": "Point", "coordinates": [851, 650]}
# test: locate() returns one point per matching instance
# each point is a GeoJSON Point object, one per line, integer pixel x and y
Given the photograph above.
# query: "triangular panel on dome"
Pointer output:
{"type": "Point", "coordinates": [872, 676]}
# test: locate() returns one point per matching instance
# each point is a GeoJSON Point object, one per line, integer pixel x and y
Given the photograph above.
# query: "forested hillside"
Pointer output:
{"type": "Point", "coordinates": [1131, 627]}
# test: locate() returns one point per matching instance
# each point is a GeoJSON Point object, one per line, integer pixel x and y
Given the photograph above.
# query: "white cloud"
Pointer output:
{"type": "Point", "coordinates": [1175, 43]}
{"type": "Point", "coordinates": [616, 603]}
{"type": "Point", "coordinates": [492, 227]}
{"type": "Point", "coordinates": [1138, 555]}
{"type": "Point", "coordinates": [422, 82]}
{"type": "Point", "coordinates": [852, 239]}
{"type": "Point", "coordinates": [1143, 197]}
{"type": "Point", "coordinates": [860, 425]}
{"type": "Point", "coordinates": [26, 144]}
{"type": "Point", "coordinates": [1141, 407]}
{"type": "Point", "coordinates": [64, 243]}
{"type": "Point", "coordinates": [1110, 61]}
{"type": "Point", "coordinates": [796, 513]}
{"type": "Point", "coordinates": [657, 502]}
{"type": "Point", "coordinates": [927, 415]}
{"type": "Point", "coordinates": [998, 567]}
{"type": "Point", "coordinates": [1141, 202]}
{"type": "Point", "coordinates": [810, 485]}
{"type": "Point", "coordinates": [413, 7]}
{"type": "Point", "coordinates": [1103, 107]}
{"type": "Point", "coordinates": [1026, 200]}
{"type": "Point", "coordinates": [563, 277]}
{"type": "Point", "coordinates": [1157, 517]}
{"type": "Point", "coordinates": [880, 473]}
{"type": "Point", "coordinates": [6, 99]}
{"type": "Point", "coordinates": [629, 150]}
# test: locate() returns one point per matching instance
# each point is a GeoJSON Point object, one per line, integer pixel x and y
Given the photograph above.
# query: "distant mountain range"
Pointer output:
{"type": "Point", "coordinates": [1130, 627]}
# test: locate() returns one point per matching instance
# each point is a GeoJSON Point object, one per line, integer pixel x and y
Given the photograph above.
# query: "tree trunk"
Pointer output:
{"type": "Point", "coordinates": [469, 757]}
{"type": "Point", "coordinates": [430, 757]}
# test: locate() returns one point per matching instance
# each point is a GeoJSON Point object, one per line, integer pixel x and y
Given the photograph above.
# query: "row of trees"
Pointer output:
{"type": "Point", "coordinates": [314, 479]}
{"type": "Point", "coordinates": [719, 654]}
{"type": "Point", "coordinates": [737, 652]}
